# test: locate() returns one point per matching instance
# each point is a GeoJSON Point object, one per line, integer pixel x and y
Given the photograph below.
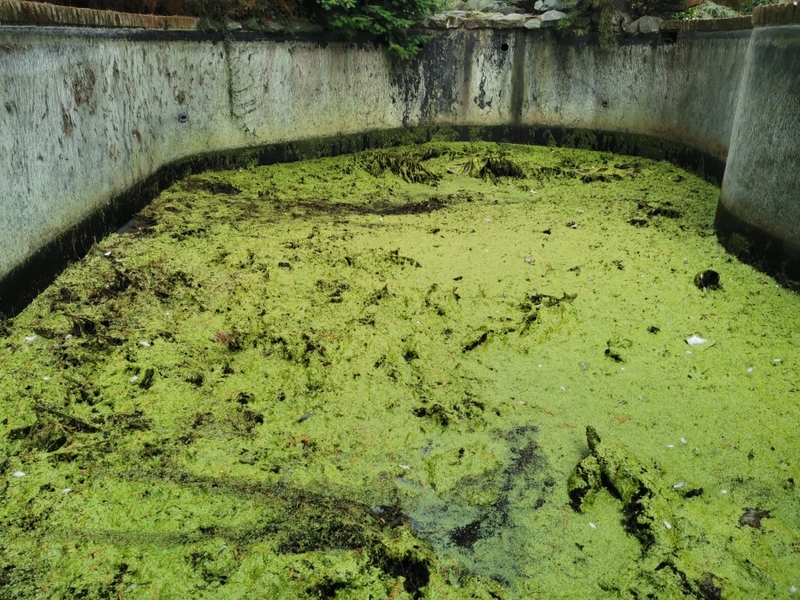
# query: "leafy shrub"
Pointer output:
{"type": "Point", "coordinates": [388, 20]}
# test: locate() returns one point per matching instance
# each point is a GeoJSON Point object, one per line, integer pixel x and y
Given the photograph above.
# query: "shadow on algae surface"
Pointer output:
{"type": "Point", "coordinates": [443, 371]}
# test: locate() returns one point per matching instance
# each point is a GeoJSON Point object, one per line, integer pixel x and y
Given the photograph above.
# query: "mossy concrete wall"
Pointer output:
{"type": "Point", "coordinates": [87, 115]}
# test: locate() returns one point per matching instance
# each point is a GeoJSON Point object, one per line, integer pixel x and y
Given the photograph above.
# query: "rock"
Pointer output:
{"type": "Point", "coordinates": [548, 5]}
{"type": "Point", "coordinates": [511, 21]}
{"type": "Point", "coordinates": [649, 25]}
{"type": "Point", "coordinates": [538, 5]}
{"type": "Point", "coordinates": [534, 23]}
{"type": "Point", "coordinates": [631, 27]}
{"type": "Point", "coordinates": [551, 17]}
{"type": "Point", "coordinates": [476, 22]}
{"type": "Point", "coordinates": [446, 20]}
{"type": "Point", "coordinates": [298, 26]}
{"type": "Point", "coordinates": [499, 7]}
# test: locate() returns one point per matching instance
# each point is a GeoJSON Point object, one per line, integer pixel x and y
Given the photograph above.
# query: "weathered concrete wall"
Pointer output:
{"type": "Point", "coordinates": [87, 114]}
{"type": "Point", "coordinates": [758, 216]}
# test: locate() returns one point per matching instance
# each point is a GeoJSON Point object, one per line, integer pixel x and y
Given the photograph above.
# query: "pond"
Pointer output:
{"type": "Point", "coordinates": [442, 371]}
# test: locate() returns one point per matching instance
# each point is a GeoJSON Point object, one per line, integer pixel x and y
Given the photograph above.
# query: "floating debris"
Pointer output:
{"type": "Point", "coordinates": [667, 525]}
{"type": "Point", "coordinates": [679, 485]}
{"type": "Point", "coordinates": [695, 340]}
{"type": "Point", "coordinates": [18, 474]}
{"type": "Point", "coordinates": [707, 280]}
{"type": "Point", "coordinates": [305, 417]}
{"type": "Point", "coordinates": [752, 517]}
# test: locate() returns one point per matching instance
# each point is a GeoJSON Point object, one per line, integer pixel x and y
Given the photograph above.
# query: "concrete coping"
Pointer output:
{"type": "Point", "coordinates": [776, 14]}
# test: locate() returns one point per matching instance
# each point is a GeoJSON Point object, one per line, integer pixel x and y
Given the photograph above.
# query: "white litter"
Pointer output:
{"type": "Point", "coordinates": [695, 340]}
{"type": "Point", "coordinates": [144, 344]}
{"type": "Point", "coordinates": [683, 441]}
{"type": "Point", "coordinates": [679, 485]}
{"type": "Point", "coordinates": [134, 379]}
{"type": "Point", "coordinates": [592, 525]}
{"type": "Point", "coordinates": [18, 474]}
{"type": "Point", "coordinates": [405, 467]}
{"type": "Point", "coordinates": [667, 525]}
{"type": "Point", "coordinates": [66, 491]}
{"type": "Point", "coordinates": [30, 338]}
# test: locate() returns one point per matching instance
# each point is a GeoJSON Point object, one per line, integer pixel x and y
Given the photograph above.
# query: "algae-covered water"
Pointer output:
{"type": "Point", "coordinates": [372, 377]}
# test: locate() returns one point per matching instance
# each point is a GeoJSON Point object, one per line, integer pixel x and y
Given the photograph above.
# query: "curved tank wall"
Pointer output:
{"type": "Point", "coordinates": [92, 121]}
{"type": "Point", "coordinates": [758, 217]}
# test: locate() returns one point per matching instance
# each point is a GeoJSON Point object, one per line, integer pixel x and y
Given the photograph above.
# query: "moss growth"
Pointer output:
{"type": "Point", "coordinates": [372, 374]}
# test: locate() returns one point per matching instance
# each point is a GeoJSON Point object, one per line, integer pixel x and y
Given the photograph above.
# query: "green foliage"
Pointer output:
{"type": "Point", "coordinates": [605, 27]}
{"type": "Point", "coordinates": [747, 6]}
{"type": "Point", "coordinates": [389, 20]}
{"type": "Point", "coordinates": [685, 15]}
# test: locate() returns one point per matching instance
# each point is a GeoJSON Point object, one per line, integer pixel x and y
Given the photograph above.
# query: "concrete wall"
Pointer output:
{"type": "Point", "coordinates": [758, 216]}
{"type": "Point", "coordinates": [88, 115]}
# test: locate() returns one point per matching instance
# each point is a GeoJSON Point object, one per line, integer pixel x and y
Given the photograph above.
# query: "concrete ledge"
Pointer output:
{"type": "Point", "coordinates": [39, 13]}
{"type": "Point", "coordinates": [776, 14]}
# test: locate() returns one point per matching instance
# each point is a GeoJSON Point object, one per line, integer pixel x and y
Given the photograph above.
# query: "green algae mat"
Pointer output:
{"type": "Point", "coordinates": [441, 371]}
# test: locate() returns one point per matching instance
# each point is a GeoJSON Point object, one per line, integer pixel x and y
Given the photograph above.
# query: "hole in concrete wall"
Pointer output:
{"type": "Point", "coordinates": [503, 47]}
{"type": "Point", "coordinates": [183, 118]}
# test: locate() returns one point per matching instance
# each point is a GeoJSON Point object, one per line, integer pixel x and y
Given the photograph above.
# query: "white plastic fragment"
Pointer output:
{"type": "Point", "coordinates": [695, 340]}
{"type": "Point", "coordinates": [667, 525]}
{"type": "Point", "coordinates": [724, 492]}
{"type": "Point", "coordinates": [749, 369]}
{"type": "Point", "coordinates": [18, 474]}
{"type": "Point", "coordinates": [592, 525]}
{"type": "Point", "coordinates": [777, 361]}
{"type": "Point", "coordinates": [134, 379]}
{"type": "Point", "coordinates": [405, 467]}
{"type": "Point", "coordinates": [66, 491]}
{"type": "Point", "coordinates": [144, 344]}
{"type": "Point", "coordinates": [46, 378]}
{"type": "Point", "coordinates": [30, 338]}
{"type": "Point", "coordinates": [670, 445]}
{"type": "Point", "coordinates": [107, 253]}
{"type": "Point", "coordinates": [683, 441]}
{"type": "Point", "coordinates": [793, 589]}
{"type": "Point", "coordinates": [679, 485]}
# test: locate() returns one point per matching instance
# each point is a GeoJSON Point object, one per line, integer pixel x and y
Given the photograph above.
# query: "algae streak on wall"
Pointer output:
{"type": "Point", "coordinates": [373, 376]}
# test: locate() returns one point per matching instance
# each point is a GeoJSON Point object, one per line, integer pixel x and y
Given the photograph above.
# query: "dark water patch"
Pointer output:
{"type": "Point", "coordinates": [486, 537]}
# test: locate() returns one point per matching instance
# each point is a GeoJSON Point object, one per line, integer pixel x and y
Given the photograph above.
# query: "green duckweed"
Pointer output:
{"type": "Point", "coordinates": [372, 377]}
